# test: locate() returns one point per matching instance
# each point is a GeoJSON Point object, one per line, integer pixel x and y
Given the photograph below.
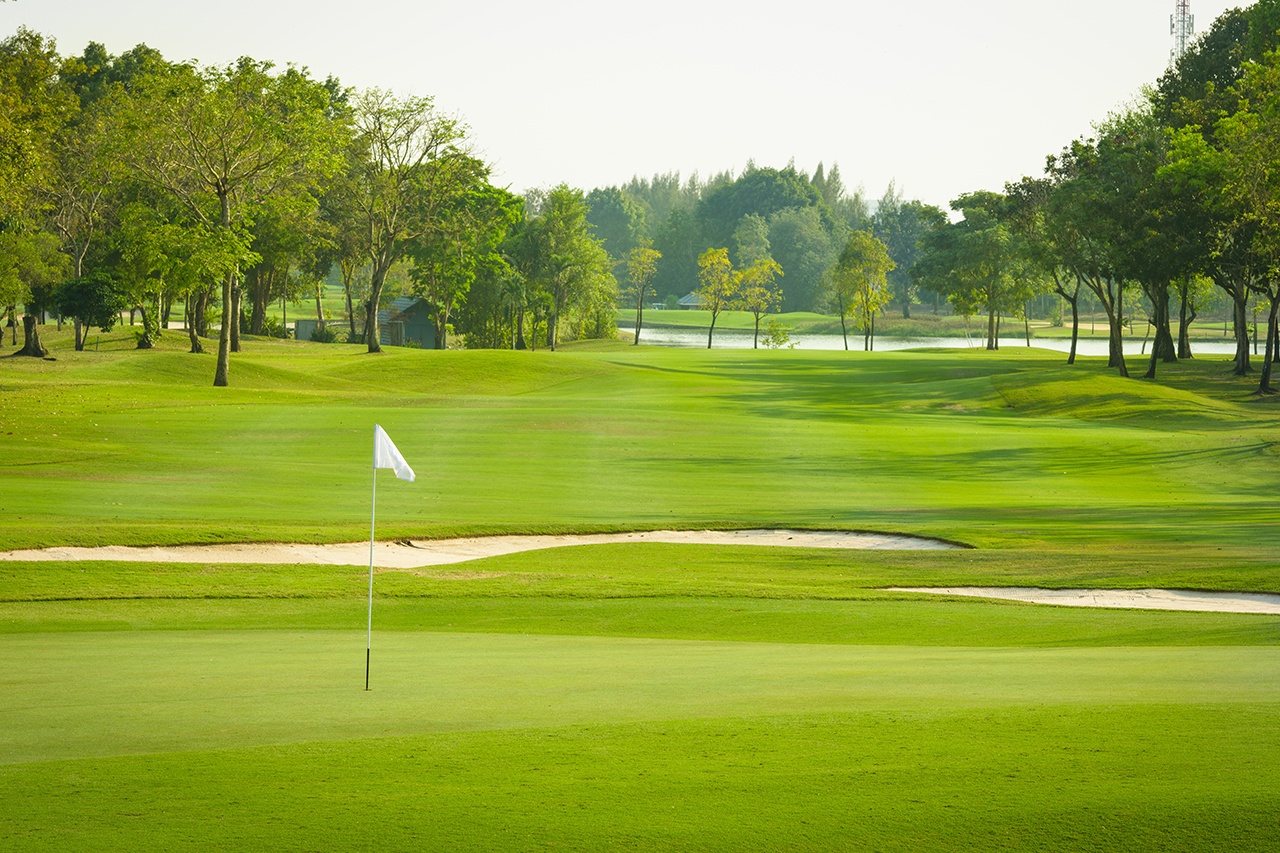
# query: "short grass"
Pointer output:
{"type": "Point", "coordinates": [639, 696]}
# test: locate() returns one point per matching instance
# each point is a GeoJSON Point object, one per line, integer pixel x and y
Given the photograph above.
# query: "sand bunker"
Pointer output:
{"type": "Point", "coordinates": [1143, 599]}
{"type": "Point", "coordinates": [420, 553]}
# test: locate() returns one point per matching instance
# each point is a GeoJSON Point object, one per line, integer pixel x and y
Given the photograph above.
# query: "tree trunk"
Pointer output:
{"type": "Point", "coordinates": [639, 314]}
{"type": "Point", "coordinates": [711, 331]}
{"type": "Point", "coordinates": [755, 341]}
{"type": "Point", "coordinates": [519, 341]}
{"type": "Point", "coordinates": [201, 318]}
{"type": "Point", "coordinates": [31, 345]}
{"type": "Point", "coordinates": [376, 282]}
{"type": "Point", "coordinates": [1264, 382]}
{"type": "Point", "coordinates": [79, 329]}
{"type": "Point", "coordinates": [1115, 334]}
{"type": "Point", "coordinates": [223, 368]}
{"type": "Point", "coordinates": [196, 348]}
{"type": "Point", "coordinates": [1240, 319]}
{"type": "Point", "coordinates": [237, 295]}
{"type": "Point", "coordinates": [906, 309]}
{"type": "Point", "coordinates": [258, 293]}
{"type": "Point", "coordinates": [1186, 316]}
{"type": "Point", "coordinates": [991, 328]}
{"type": "Point", "coordinates": [1026, 324]}
{"type": "Point", "coordinates": [1075, 328]}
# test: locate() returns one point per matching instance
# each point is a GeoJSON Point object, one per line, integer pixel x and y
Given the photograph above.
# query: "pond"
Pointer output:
{"type": "Point", "coordinates": [736, 339]}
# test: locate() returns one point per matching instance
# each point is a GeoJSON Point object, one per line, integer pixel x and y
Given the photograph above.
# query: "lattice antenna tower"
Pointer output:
{"type": "Point", "coordinates": [1182, 26]}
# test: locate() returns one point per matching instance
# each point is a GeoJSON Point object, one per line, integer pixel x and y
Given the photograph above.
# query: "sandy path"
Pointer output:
{"type": "Point", "coordinates": [1142, 599]}
{"type": "Point", "coordinates": [420, 553]}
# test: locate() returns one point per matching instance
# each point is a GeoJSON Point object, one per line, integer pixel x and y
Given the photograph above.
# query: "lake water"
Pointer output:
{"type": "Point", "coordinates": [733, 339]}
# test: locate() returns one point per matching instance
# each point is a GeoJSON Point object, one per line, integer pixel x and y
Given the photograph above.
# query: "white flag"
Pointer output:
{"type": "Point", "coordinates": [385, 455]}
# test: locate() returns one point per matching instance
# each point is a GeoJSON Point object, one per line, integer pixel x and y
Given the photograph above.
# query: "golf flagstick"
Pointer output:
{"type": "Point", "coordinates": [385, 455]}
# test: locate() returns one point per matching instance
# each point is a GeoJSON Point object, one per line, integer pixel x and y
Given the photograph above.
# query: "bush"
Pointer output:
{"type": "Point", "coordinates": [777, 335]}
{"type": "Point", "coordinates": [324, 335]}
{"type": "Point", "coordinates": [273, 328]}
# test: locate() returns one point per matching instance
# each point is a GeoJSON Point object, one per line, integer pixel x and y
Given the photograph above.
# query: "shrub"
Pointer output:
{"type": "Point", "coordinates": [273, 328]}
{"type": "Point", "coordinates": [324, 335]}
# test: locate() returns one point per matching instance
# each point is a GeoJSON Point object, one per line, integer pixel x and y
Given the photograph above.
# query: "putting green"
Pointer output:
{"type": "Point", "coordinates": [174, 691]}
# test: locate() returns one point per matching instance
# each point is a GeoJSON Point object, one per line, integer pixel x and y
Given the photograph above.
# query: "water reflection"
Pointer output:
{"type": "Point", "coordinates": [733, 339]}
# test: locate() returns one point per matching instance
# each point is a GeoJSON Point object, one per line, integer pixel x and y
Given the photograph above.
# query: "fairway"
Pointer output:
{"type": "Point", "coordinates": [643, 695]}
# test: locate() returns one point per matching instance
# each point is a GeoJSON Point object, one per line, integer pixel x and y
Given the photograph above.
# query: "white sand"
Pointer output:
{"type": "Point", "coordinates": [1143, 599]}
{"type": "Point", "coordinates": [419, 553]}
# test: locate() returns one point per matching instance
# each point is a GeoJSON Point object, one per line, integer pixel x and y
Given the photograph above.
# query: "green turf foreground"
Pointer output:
{"type": "Point", "coordinates": [615, 704]}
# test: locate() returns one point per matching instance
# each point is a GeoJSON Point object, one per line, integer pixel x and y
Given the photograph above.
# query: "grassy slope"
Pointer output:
{"type": "Point", "coordinates": [635, 696]}
{"type": "Point", "coordinates": [1011, 450]}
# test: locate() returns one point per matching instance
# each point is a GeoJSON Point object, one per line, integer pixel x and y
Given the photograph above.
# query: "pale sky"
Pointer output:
{"type": "Point", "coordinates": [943, 97]}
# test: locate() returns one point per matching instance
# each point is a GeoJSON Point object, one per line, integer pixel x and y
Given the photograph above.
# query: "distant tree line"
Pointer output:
{"type": "Point", "coordinates": [1172, 197]}
{"type": "Point", "coordinates": [130, 183]}
{"type": "Point", "coordinates": [802, 222]}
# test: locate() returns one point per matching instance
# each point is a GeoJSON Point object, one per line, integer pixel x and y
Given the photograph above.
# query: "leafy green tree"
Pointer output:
{"type": "Point", "coordinates": [1199, 172]}
{"type": "Point", "coordinates": [802, 244]}
{"type": "Point", "coordinates": [92, 300]}
{"type": "Point", "coordinates": [285, 234]}
{"type": "Point", "coordinates": [751, 240]}
{"type": "Point", "coordinates": [35, 107]}
{"type": "Point", "coordinates": [408, 166]}
{"type": "Point", "coordinates": [860, 284]}
{"type": "Point", "coordinates": [30, 265]}
{"type": "Point", "coordinates": [618, 221]}
{"type": "Point", "coordinates": [757, 292]}
{"type": "Point", "coordinates": [575, 269]}
{"type": "Point", "coordinates": [465, 242]}
{"type": "Point", "coordinates": [763, 192]}
{"type": "Point", "coordinates": [900, 225]}
{"type": "Point", "coordinates": [679, 243]}
{"type": "Point", "coordinates": [1081, 209]}
{"type": "Point", "coordinates": [1249, 139]}
{"type": "Point", "coordinates": [642, 266]}
{"type": "Point", "coordinates": [978, 262]}
{"type": "Point", "coordinates": [1027, 206]}
{"type": "Point", "coordinates": [223, 140]}
{"type": "Point", "coordinates": [718, 285]}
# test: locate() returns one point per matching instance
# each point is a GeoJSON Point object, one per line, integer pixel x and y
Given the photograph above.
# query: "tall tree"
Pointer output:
{"type": "Point", "coordinates": [859, 281]}
{"type": "Point", "coordinates": [718, 285]}
{"type": "Point", "coordinates": [979, 262]}
{"type": "Point", "coordinates": [803, 245]}
{"type": "Point", "coordinates": [642, 266]}
{"type": "Point", "coordinates": [618, 221]}
{"type": "Point", "coordinates": [465, 241]}
{"type": "Point", "coordinates": [408, 165]}
{"type": "Point", "coordinates": [757, 291]}
{"type": "Point", "coordinates": [222, 140]}
{"type": "Point", "coordinates": [1249, 140]}
{"type": "Point", "coordinates": [574, 266]}
{"type": "Point", "coordinates": [1082, 209]}
{"type": "Point", "coordinates": [900, 225]}
{"type": "Point", "coordinates": [1027, 203]}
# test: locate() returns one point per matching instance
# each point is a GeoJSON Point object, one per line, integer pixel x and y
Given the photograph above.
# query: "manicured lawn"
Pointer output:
{"type": "Point", "coordinates": [638, 696]}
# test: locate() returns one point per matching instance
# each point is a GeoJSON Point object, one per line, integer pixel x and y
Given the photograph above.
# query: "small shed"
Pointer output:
{"type": "Point", "coordinates": [407, 322]}
{"type": "Point", "coordinates": [690, 302]}
{"type": "Point", "coordinates": [303, 329]}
